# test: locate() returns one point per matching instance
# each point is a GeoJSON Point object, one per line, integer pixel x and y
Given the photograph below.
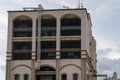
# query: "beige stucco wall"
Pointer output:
{"type": "Point", "coordinates": [65, 65]}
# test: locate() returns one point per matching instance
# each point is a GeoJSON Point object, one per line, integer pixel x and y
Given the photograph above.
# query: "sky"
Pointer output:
{"type": "Point", "coordinates": [105, 16]}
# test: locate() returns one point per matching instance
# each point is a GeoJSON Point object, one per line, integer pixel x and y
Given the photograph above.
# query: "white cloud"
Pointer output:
{"type": "Point", "coordinates": [105, 10]}
{"type": "Point", "coordinates": [3, 34]}
{"type": "Point", "coordinates": [111, 52]}
{"type": "Point", "coordinates": [68, 3]}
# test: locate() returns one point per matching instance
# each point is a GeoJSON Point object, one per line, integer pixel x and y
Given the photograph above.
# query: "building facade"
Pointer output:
{"type": "Point", "coordinates": [52, 44]}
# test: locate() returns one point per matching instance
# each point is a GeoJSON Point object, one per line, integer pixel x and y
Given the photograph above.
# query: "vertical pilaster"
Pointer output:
{"type": "Point", "coordinates": [33, 70]}
{"type": "Point", "coordinates": [83, 66]}
{"type": "Point", "coordinates": [83, 69]}
{"type": "Point", "coordinates": [8, 70]}
{"type": "Point", "coordinates": [33, 49]}
{"type": "Point", "coordinates": [9, 47]}
{"type": "Point", "coordinates": [57, 48]}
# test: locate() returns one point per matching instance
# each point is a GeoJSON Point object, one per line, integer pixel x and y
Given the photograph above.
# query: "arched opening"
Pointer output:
{"type": "Point", "coordinates": [70, 25]}
{"type": "Point", "coordinates": [48, 25]}
{"type": "Point", "coordinates": [22, 27]}
{"type": "Point", "coordinates": [45, 73]}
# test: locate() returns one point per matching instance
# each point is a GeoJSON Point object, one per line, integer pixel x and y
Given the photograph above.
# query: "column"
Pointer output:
{"type": "Point", "coordinates": [8, 70]}
{"type": "Point", "coordinates": [83, 66]}
{"type": "Point", "coordinates": [33, 49]}
{"type": "Point", "coordinates": [9, 48]}
{"type": "Point", "coordinates": [57, 48]}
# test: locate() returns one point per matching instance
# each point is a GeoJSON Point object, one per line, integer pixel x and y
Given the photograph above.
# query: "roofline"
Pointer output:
{"type": "Point", "coordinates": [47, 10]}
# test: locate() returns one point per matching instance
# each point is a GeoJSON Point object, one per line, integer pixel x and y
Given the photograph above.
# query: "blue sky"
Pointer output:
{"type": "Point", "coordinates": [105, 15]}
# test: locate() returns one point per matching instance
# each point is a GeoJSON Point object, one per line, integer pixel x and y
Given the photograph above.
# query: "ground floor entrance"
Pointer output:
{"type": "Point", "coordinates": [45, 73]}
{"type": "Point", "coordinates": [45, 77]}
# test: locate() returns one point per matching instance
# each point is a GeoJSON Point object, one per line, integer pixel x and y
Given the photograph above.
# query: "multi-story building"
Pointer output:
{"type": "Point", "coordinates": [54, 44]}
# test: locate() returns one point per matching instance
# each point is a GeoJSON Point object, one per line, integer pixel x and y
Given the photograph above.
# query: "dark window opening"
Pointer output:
{"type": "Point", "coordinates": [75, 76]}
{"type": "Point", "coordinates": [70, 44]}
{"type": "Point", "coordinates": [70, 55]}
{"type": "Point", "coordinates": [22, 45]}
{"type": "Point", "coordinates": [26, 77]}
{"type": "Point", "coordinates": [46, 68]}
{"type": "Point", "coordinates": [48, 44]}
{"type": "Point", "coordinates": [70, 22]}
{"type": "Point", "coordinates": [22, 28]}
{"type": "Point", "coordinates": [70, 32]}
{"type": "Point", "coordinates": [48, 22]}
{"type": "Point", "coordinates": [48, 27]}
{"type": "Point", "coordinates": [16, 77]}
{"type": "Point", "coordinates": [48, 55]}
{"type": "Point", "coordinates": [48, 33]}
{"type": "Point", "coordinates": [64, 77]}
{"type": "Point", "coordinates": [22, 34]}
{"type": "Point", "coordinates": [22, 23]}
{"type": "Point", "coordinates": [21, 56]}
{"type": "Point", "coordinates": [70, 26]}
{"type": "Point", "coordinates": [45, 77]}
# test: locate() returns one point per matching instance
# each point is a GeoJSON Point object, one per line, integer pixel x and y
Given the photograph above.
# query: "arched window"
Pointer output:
{"type": "Point", "coordinates": [46, 68]}
{"type": "Point", "coordinates": [22, 27]}
{"type": "Point", "coordinates": [70, 25]}
{"type": "Point", "coordinates": [48, 25]}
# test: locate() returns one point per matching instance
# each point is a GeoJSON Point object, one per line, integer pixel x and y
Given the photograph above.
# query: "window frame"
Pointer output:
{"type": "Point", "coordinates": [16, 76]}
{"type": "Point", "coordinates": [26, 77]}
{"type": "Point", "coordinates": [75, 76]}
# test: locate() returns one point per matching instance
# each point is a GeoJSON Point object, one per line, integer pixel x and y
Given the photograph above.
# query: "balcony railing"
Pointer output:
{"type": "Point", "coordinates": [70, 27]}
{"type": "Point", "coordinates": [22, 50]}
{"type": "Point", "coordinates": [70, 49]}
{"type": "Point", "coordinates": [22, 29]}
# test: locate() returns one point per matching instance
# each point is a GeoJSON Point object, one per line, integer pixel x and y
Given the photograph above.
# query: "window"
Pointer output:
{"type": "Point", "coordinates": [70, 44]}
{"type": "Point", "coordinates": [48, 55]}
{"type": "Point", "coordinates": [48, 33]}
{"type": "Point", "coordinates": [70, 55]}
{"type": "Point", "coordinates": [75, 76]}
{"type": "Point", "coordinates": [64, 77]}
{"type": "Point", "coordinates": [26, 77]}
{"type": "Point", "coordinates": [48, 22]}
{"type": "Point", "coordinates": [70, 26]}
{"type": "Point", "coordinates": [70, 32]}
{"type": "Point", "coordinates": [22, 28]}
{"type": "Point", "coordinates": [16, 77]}
{"type": "Point", "coordinates": [22, 45]}
{"type": "Point", "coordinates": [21, 56]}
{"type": "Point", "coordinates": [48, 26]}
{"type": "Point", "coordinates": [48, 44]}
{"type": "Point", "coordinates": [71, 22]}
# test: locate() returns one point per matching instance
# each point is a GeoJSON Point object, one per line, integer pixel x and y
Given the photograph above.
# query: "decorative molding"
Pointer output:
{"type": "Point", "coordinates": [20, 66]}
{"type": "Point", "coordinates": [70, 65]}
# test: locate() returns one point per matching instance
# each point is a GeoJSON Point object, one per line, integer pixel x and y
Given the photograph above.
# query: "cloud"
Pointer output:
{"type": "Point", "coordinates": [68, 3]}
{"type": "Point", "coordinates": [108, 66]}
{"type": "Point", "coordinates": [107, 61]}
{"type": "Point", "coordinates": [3, 35]}
{"type": "Point", "coordinates": [113, 52]}
{"type": "Point", "coordinates": [2, 67]}
{"type": "Point", "coordinates": [105, 10]}
{"type": "Point", "coordinates": [103, 53]}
